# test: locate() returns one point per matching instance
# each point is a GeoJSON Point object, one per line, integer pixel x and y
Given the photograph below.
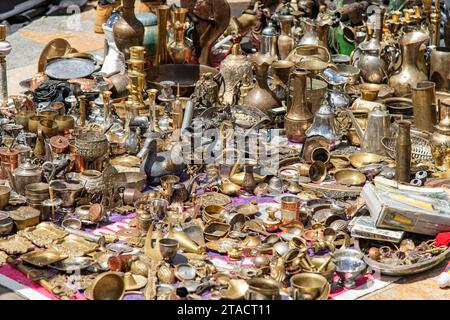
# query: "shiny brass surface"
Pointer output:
{"type": "Point", "coordinates": [299, 118]}
{"type": "Point", "coordinates": [350, 177]}
{"type": "Point", "coordinates": [162, 53]}
{"type": "Point", "coordinates": [424, 106]}
{"type": "Point", "coordinates": [403, 168]}
{"type": "Point", "coordinates": [440, 142]}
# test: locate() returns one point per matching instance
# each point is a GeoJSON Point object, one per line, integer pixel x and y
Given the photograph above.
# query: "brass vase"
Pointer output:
{"type": "Point", "coordinates": [128, 31]}
{"type": "Point", "coordinates": [162, 53]}
{"type": "Point", "coordinates": [179, 51]}
{"type": "Point", "coordinates": [409, 73]}
{"type": "Point", "coordinates": [261, 96]}
{"type": "Point", "coordinates": [440, 142]}
{"type": "Point", "coordinates": [285, 40]}
{"type": "Point", "coordinates": [315, 33]}
{"type": "Point", "coordinates": [440, 67]}
{"type": "Point", "coordinates": [424, 106]}
{"type": "Point", "coordinates": [234, 68]}
{"type": "Point", "coordinates": [404, 149]}
{"type": "Point", "coordinates": [299, 118]}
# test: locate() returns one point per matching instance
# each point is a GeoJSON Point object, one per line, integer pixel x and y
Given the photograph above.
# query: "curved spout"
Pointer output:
{"type": "Point", "coordinates": [358, 128]}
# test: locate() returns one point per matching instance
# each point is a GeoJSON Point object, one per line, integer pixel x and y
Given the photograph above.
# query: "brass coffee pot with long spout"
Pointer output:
{"type": "Point", "coordinates": [299, 118]}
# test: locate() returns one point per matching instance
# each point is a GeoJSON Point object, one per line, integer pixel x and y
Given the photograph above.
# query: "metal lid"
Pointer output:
{"type": "Point", "coordinates": [269, 30]}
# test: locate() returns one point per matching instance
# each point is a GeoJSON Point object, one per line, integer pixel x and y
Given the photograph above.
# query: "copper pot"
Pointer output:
{"type": "Point", "coordinates": [316, 149]}
{"type": "Point", "coordinates": [9, 161]}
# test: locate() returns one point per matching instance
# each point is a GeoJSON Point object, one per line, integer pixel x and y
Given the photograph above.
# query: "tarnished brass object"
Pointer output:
{"type": "Point", "coordinates": [440, 142]}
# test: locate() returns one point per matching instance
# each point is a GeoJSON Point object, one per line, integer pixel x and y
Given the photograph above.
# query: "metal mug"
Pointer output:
{"type": "Point", "coordinates": [290, 204]}
{"type": "Point", "coordinates": [158, 208]}
{"type": "Point", "coordinates": [179, 193]}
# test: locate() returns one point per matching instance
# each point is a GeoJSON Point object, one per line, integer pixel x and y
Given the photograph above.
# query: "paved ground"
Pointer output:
{"type": "Point", "coordinates": [22, 64]}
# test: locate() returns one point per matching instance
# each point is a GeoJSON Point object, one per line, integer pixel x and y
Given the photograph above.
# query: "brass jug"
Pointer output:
{"type": "Point", "coordinates": [299, 118]}
{"type": "Point", "coordinates": [162, 53]}
{"type": "Point", "coordinates": [409, 73]}
{"type": "Point", "coordinates": [261, 96]}
{"type": "Point", "coordinates": [440, 142]}
{"type": "Point", "coordinates": [128, 31]}
{"type": "Point", "coordinates": [315, 33]}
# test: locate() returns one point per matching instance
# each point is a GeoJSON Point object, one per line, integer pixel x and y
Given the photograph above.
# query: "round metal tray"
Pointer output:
{"type": "Point", "coordinates": [406, 270]}
{"type": "Point", "coordinates": [70, 68]}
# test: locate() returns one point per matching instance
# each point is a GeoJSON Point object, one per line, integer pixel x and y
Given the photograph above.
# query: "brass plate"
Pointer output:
{"type": "Point", "coordinates": [214, 198]}
{"type": "Point", "coordinates": [43, 234]}
{"type": "Point", "coordinates": [42, 258]}
{"type": "Point", "coordinates": [73, 246]}
{"type": "Point", "coordinates": [73, 264]}
{"type": "Point", "coordinates": [55, 48]}
{"type": "Point", "coordinates": [15, 245]}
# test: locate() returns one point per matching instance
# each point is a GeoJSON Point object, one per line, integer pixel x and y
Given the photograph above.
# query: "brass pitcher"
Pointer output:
{"type": "Point", "coordinates": [409, 73]}
{"type": "Point", "coordinates": [128, 31]}
{"type": "Point", "coordinates": [285, 40]}
{"type": "Point", "coordinates": [315, 33]}
{"type": "Point", "coordinates": [162, 53]}
{"type": "Point", "coordinates": [261, 96]}
{"type": "Point", "coordinates": [299, 118]}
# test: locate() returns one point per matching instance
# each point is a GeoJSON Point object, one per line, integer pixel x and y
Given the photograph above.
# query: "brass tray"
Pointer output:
{"type": "Point", "coordinates": [73, 264]}
{"type": "Point", "coordinates": [333, 191]}
{"type": "Point", "coordinates": [73, 246]}
{"type": "Point", "coordinates": [214, 198]}
{"type": "Point", "coordinates": [43, 234]}
{"type": "Point", "coordinates": [15, 245]}
{"type": "Point", "coordinates": [42, 258]}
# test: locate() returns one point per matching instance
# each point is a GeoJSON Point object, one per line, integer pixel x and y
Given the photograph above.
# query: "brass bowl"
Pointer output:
{"type": "Point", "coordinates": [91, 145]}
{"type": "Point", "coordinates": [133, 180]}
{"type": "Point", "coordinates": [33, 123]}
{"type": "Point", "coordinates": [64, 123]}
{"type": "Point", "coordinates": [216, 230]}
{"type": "Point", "coordinates": [309, 285]}
{"type": "Point", "coordinates": [37, 188]}
{"type": "Point", "coordinates": [213, 213]}
{"type": "Point", "coordinates": [49, 114]}
{"type": "Point", "coordinates": [48, 127]}
{"type": "Point", "coordinates": [5, 193]}
{"type": "Point", "coordinates": [328, 273]}
{"type": "Point", "coordinates": [361, 159]}
{"type": "Point", "coordinates": [107, 286]}
{"type": "Point", "coordinates": [350, 177]}
{"type": "Point", "coordinates": [369, 91]}
{"type": "Point", "coordinates": [184, 75]}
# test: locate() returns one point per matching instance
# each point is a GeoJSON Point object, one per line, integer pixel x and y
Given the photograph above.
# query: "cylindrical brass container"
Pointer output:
{"type": "Point", "coordinates": [403, 168]}
{"type": "Point", "coordinates": [50, 115]}
{"type": "Point", "coordinates": [23, 118]}
{"type": "Point", "coordinates": [424, 106]}
{"type": "Point", "coordinates": [9, 161]}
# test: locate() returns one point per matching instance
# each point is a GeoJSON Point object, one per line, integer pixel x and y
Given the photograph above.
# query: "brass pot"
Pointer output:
{"type": "Point", "coordinates": [23, 118]}
{"type": "Point", "coordinates": [33, 123]}
{"type": "Point", "coordinates": [64, 123]}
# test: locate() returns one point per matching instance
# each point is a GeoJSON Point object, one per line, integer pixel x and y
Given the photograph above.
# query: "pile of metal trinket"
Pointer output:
{"type": "Point", "coordinates": [310, 141]}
